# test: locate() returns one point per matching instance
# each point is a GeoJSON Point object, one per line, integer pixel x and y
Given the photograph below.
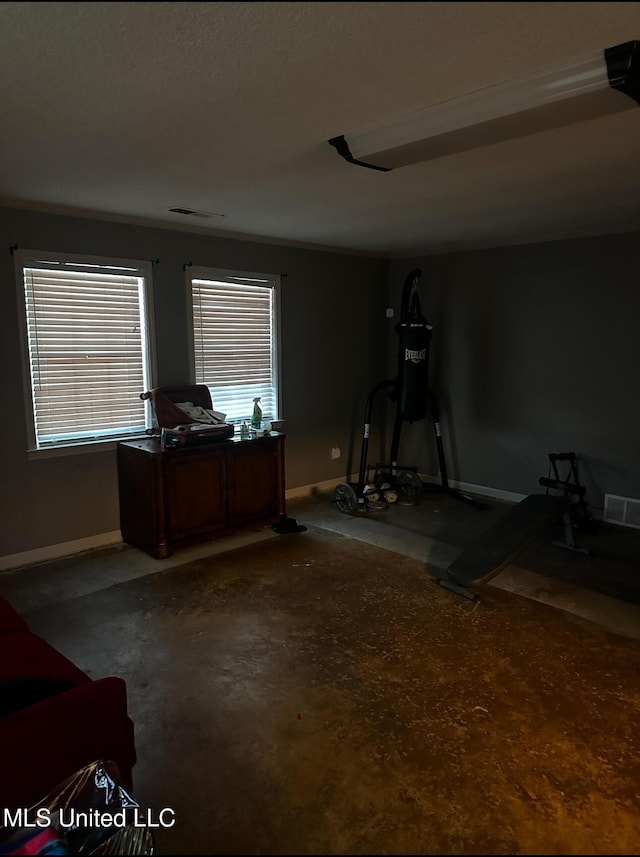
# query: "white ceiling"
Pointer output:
{"type": "Point", "coordinates": [124, 110]}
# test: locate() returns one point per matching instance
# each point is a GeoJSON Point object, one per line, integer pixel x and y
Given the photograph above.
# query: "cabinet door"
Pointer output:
{"type": "Point", "coordinates": [254, 482]}
{"type": "Point", "coordinates": [195, 492]}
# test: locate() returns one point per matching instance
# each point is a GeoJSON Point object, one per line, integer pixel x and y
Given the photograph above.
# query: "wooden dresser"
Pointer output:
{"type": "Point", "coordinates": [174, 497]}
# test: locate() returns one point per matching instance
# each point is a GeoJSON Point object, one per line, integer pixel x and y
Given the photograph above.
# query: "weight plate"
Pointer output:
{"type": "Point", "coordinates": [409, 483]}
{"type": "Point", "coordinates": [346, 498]}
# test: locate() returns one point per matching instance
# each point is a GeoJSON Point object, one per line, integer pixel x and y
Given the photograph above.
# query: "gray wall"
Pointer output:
{"type": "Point", "coordinates": [332, 336]}
{"type": "Point", "coordinates": [536, 349]}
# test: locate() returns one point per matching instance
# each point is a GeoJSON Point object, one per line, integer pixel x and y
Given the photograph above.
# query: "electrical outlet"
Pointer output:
{"type": "Point", "coordinates": [389, 312]}
{"type": "Point", "coordinates": [335, 452]}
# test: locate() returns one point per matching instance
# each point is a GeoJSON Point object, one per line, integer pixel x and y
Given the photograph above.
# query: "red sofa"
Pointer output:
{"type": "Point", "coordinates": [54, 719]}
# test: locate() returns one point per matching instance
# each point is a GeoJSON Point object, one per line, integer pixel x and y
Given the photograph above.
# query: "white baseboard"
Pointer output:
{"type": "Point", "coordinates": [63, 549]}
{"type": "Point", "coordinates": [307, 490]}
{"type": "Point", "coordinates": [481, 490]}
{"type": "Point", "coordinates": [497, 493]}
{"type": "Point", "coordinates": [101, 540]}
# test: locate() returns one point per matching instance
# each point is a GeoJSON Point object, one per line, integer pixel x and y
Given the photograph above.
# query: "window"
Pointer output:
{"type": "Point", "coordinates": [86, 343]}
{"type": "Point", "coordinates": [234, 339]}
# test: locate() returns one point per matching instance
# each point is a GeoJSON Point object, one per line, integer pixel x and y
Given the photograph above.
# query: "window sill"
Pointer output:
{"type": "Point", "coordinates": [92, 446]}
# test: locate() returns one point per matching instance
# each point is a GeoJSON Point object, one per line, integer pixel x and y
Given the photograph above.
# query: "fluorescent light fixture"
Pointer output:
{"type": "Point", "coordinates": [595, 86]}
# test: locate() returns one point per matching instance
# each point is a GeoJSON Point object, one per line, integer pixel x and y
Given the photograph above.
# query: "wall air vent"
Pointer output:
{"type": "Point", "coordinates": [621, 510]}
{"type": "Point", "coordinates": [191, 212]}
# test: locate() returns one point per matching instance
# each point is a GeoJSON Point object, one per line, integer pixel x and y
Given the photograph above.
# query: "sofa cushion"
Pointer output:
{"type": "Point", "coordinates": [17, 693]}
{"type": "Point", "coordinates": [24, 655]}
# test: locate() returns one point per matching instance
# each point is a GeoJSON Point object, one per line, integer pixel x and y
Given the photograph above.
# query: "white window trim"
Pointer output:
{"type": "Point", "coordinates": [194, 272]}
{"type": "Point", "coordinates": [21, 259]}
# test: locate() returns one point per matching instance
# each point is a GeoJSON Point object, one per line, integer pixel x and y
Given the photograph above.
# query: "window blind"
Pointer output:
{"type": "Point", "coordinates": [87, 342]}
{"type": "Point", "coordinates": [234, 340]}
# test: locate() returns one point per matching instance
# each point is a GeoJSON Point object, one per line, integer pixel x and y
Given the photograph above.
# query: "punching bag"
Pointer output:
{"type": "Point", "coordinates": [414, 333]}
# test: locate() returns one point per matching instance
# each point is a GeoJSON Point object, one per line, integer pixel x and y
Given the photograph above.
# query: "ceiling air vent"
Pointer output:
{"type": "Point", "coordinates": [621, 510]}
{"type": "Point", "coordinates": [191, 212]}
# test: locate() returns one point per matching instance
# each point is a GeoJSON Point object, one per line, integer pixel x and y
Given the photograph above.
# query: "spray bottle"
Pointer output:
{"type": "Point", "coordinates": [256, 417]}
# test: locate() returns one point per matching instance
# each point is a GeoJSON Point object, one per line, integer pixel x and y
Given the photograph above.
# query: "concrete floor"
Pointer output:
{"type": "Point", "coordinates": [603, 587]}
{"type": "Point", "coordinates": [318, 693]}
